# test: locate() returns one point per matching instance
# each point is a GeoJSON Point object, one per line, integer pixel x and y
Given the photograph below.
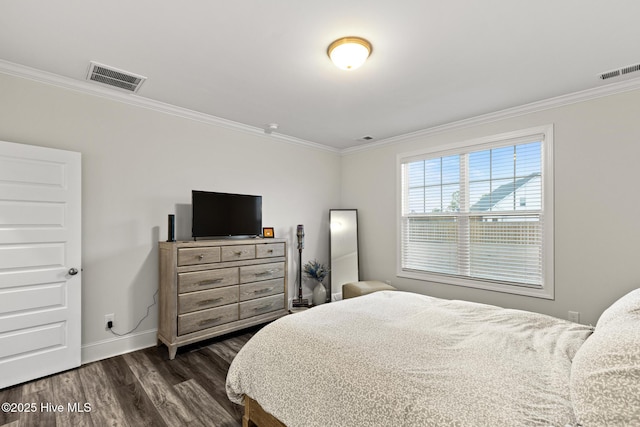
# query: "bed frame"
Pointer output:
{"type": "Point", "coordinates": [255, 416]}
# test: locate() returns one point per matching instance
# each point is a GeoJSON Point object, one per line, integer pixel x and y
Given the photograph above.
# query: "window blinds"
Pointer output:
{"type": "Point", "coordinates": [476, 213]}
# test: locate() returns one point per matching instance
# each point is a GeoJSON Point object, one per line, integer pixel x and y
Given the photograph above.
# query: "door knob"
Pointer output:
{"type": "Point", "coordinates": [73, 271]}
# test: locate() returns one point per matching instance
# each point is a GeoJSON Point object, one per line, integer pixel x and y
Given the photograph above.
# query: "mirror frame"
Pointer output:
{"type": "Point", "coordinates": [357, 237]}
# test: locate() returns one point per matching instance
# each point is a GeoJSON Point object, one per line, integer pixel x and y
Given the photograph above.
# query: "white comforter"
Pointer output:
{"type": "Point", "coordinates": [402, 359]}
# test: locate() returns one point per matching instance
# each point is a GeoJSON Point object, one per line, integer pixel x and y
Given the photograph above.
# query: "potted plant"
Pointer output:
{"type": "Point", "coordinates": [317, 271]}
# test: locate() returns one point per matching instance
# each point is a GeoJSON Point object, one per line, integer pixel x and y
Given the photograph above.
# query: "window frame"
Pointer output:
{"type": "Point", "coordinates": [547, 289]}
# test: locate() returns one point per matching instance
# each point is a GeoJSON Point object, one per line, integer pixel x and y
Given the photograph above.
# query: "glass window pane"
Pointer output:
{"type": "Point", "coordinates": [479, 165]}
{"type": "Point", "coordinates": [528, 159]}
{"type": "Point", "coordinates": [502, 162]}
{"type": "Point", "coordinates": [415, 202]}
{"type": "Point", "coordinates": [433, 199]}
{"type": "Point", "coordinates": [451, 170]}
{"type": "Point", "coordinates": [432, 245]}
{"type": "Point", "coordinates": [528, 195]}
{"type": "Point", "coordinates": [415, 174]}
{"type": "Point", "coordinates": [451, 198]}
{"type": "Point", "coordinates": [502, 195]}
{"type": "Point", "coordinates": [433, 171]}
{"type": "Point", "coordinates": [479, 196]}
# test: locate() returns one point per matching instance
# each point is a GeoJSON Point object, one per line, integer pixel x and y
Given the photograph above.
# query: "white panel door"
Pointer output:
{"type": "Point", "coordinates": [39, 262]}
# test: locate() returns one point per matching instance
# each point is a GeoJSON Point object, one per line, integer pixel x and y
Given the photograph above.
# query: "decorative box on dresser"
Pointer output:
{"type": "Point", "coordinates": [213, 287]}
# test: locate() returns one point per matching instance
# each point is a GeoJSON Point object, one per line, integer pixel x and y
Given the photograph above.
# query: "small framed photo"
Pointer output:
{"type": "Point", "coordinates": [267, 232]}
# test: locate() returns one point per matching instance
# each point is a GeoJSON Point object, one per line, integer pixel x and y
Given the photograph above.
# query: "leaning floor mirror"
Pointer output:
{"type": "Point", "coordinates": [343, 247]}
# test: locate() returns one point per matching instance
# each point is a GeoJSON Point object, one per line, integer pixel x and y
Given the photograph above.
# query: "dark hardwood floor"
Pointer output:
{"type": "Point", "coordinates": [143, 388]}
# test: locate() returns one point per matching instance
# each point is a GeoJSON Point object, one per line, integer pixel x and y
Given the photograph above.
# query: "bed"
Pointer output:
{"type": "Point", "coordinates": [396, 359]}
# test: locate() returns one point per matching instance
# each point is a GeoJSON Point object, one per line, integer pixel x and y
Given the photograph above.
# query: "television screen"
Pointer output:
{"type": "Point", "coordinates": [226, 215]}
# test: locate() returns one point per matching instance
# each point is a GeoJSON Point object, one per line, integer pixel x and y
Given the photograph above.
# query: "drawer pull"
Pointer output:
{"type": "Point", "coordinates": [263, 307]}
{"type": "Point", "coordinates": [263, 290]}
{"type": "Point", "coordinates": [204, 322]}
{"type": "Point", "coordinates": [210, 282]}
{"type": "Point", "coordinates": [210, 301]}
{"type": "Point", "coordinates": [266, 272]}
{"type": "Point", "coordinates": [270, 251]}
{"type": "Point", "coordinates": [201, 257]}
{"type": "Point", "coordinates": [237, 253]}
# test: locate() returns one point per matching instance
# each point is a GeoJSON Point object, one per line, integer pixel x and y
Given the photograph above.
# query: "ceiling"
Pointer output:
{"type": "Point", "coordinates": [260, 62]}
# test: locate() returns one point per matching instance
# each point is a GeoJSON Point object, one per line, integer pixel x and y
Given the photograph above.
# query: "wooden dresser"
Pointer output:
{"type": "Point", "coordinates": [213, 287]}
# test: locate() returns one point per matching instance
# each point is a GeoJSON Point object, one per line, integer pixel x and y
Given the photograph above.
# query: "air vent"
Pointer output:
{"type": "Point", "coordinates": [630, 69]}
{"type": "Point", "coordinates": [610, 74]}
{"type": "Point", "coordinates": [113, 77]}
{"type": "Point", "coordinates": [620, 72]}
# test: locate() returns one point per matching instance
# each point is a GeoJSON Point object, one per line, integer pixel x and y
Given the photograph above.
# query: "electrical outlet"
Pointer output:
{"type": "Point", "coordinates": [109, 318]}
{"type": "Point", "coordinates": [574, 316]}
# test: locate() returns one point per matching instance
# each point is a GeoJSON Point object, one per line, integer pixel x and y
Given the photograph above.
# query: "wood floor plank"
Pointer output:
{"type": "Point", "coordinates": [210, 371]}
{"type": "Point", "coordinates": [39, 418]}
{"type": "Point", "coordinates": [10, 395]}
{"type": "Point", "coordinates": [142, 388]}
{"type": "Point", "coordinates": [134, 401]}
{"type": "Point", "coordinates": [164, 398]}
{"type": "Point", "coordinates": [105, 407]}
{"type": "Point", "coordinates": [237, 342]}
{"type": "Point", "coordinates": [40, 384]}
{"type": "Point", "coordinates": [109, 415]}
{"type": "Point", "coordinates": [39, 391]}
{"type": "Point", "coordinates": [174, 372]}
{"type": "Point", "coordinates": [210, 412]}
{"type": "Point", "coordinates": [223, 351]}
{"type": "Point", "coordinates": [67, 390]}
{"type": "Point", "coordinates": [96, 386]}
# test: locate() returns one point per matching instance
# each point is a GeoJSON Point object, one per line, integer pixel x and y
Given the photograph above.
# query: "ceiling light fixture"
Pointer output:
{"type": "Point", "coordinates": [349, 53]}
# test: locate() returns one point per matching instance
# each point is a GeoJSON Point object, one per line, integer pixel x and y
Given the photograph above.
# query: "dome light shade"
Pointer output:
{"type": "Point", "coordinates": [349, 53]}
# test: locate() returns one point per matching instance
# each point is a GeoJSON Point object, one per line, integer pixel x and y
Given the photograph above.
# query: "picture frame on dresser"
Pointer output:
{"type": "Point", "coordinates": [268, 233]}
{"type": "Point", "coordinates": [210, 288]}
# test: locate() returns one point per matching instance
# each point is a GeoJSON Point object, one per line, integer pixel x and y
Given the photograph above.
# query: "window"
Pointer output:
{"type": "Point", "coordinates": [480, 214]}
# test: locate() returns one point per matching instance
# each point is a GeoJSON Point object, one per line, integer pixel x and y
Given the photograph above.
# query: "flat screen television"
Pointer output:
{"type": "Point", "coordinates": [225, 214]}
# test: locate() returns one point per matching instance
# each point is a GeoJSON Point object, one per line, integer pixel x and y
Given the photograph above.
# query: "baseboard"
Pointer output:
{"type": "Point", "coordinates": [118, 345]}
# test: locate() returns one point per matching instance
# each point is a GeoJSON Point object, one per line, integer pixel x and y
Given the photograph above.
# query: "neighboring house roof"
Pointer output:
{"type": "Point", "coordinates": [488, 201]}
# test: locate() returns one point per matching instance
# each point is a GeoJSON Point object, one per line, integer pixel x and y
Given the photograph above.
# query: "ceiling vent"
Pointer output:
{"type": "Point", "coordinates": [620, 72]}
{"type": "Point", "coordinates": [113, 77]}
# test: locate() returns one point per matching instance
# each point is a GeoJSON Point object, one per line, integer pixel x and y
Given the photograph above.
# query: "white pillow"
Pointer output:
{"type": "Point", "coordinates": [605, 372]}
{"type": "Point", "coordinates": [628, 305]}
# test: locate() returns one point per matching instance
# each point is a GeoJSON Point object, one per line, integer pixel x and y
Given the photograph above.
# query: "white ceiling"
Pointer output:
{"type": "Point", "coordinates": [257, 62]}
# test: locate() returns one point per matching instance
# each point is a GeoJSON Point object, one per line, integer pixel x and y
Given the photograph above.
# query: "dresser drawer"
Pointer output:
{"type": "Point", "coordinates": [195, 256]}
{"type": "Point", "coordinates": [269, 250]}
{"type": "Point", "coordinates": [201, 300]}
{"type": "Point", "coordinates": [207, 279]}
{"type": "Point", "coordinates": [261, 289]}
{"type": "Point", "coordinates": [254, 273]}
{"type": "Point", "coordinates": [204, 319]}
{"type": "Point", "coordinates": [238, 252]}
{"type": "Point", "coordinates": [261, 305]}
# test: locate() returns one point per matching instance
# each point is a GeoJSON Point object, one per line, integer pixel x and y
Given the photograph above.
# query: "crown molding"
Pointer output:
{"type": "Point", "coordinates": [25, 72]}
{"type": "Point", "coordinates": [93, 89]}
{"type": "Point", "coordinates": [533, 107]}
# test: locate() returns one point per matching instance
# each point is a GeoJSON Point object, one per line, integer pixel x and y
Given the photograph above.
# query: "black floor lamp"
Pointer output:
{"type": "Point", "coordinates": [300, 302]}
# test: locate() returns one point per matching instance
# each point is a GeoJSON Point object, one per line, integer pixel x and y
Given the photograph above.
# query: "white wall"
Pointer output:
{"type": "Point", "coordinates": [138, 166]}
{"type": "Point", "coordinates": [597, 154]}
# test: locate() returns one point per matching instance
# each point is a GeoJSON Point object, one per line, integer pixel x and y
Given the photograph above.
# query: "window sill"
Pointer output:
{"type": "Point", "coordinates": [545, 292]}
